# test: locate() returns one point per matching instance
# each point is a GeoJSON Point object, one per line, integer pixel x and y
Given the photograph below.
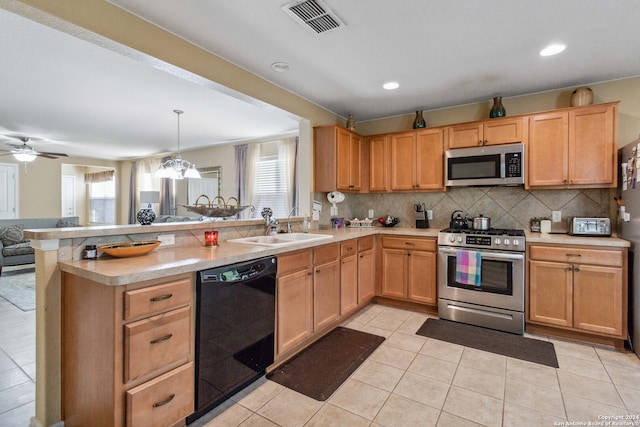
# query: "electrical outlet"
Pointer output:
{"type": "Point", "coordinates": [167, 239]}
{"type": "Point", "coordinates": [315, 215]}
{"type": "Point", "coordinates": [429, 214]}
{"type": "Point", "coordinates": [556, 216]}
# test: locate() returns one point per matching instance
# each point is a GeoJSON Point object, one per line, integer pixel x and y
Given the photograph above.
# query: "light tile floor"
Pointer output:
{"type": "Point", "coordinates": [409, 380]}
{"type": "Point", "coordinates": [415, 381]}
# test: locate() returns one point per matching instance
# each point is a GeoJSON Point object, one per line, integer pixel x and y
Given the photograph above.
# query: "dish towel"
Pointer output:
{"type": "Point", "coordinates": [468, 267]}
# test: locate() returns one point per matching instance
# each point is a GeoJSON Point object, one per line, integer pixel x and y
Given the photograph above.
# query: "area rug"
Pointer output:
{"type": "Point", "coordinates": [320, 369]}
{"type": "Point", "coordinates": [19, 288]}
{"type": "Point", "coordinates": [504, 343]}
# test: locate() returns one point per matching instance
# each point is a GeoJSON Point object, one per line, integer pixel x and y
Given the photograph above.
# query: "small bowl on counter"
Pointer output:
{"type": "Point", "coordinates": [128, 249]}
{"type": "Point", "coordinates": [389, 221]}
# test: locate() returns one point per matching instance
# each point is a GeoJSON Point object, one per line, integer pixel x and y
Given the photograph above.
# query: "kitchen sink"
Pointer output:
{"type": "Point", "coordinates": [280, 239]}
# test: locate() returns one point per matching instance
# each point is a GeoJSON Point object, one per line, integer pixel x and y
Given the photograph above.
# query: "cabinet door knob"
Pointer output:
{"type": "Point", "coordinates": [574, 254]}
{"type": "Point", "coordinates": [576, 269]}
{"type": "Point", "coordinates": [480, 142]}
{"type": "Point", "coordinates": [569, 269]}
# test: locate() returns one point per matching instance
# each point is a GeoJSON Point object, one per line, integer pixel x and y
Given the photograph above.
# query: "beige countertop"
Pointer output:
{"type": "Point", "coordinates": [186, 259]}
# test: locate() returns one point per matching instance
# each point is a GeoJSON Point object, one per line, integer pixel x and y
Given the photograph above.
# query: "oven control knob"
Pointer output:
{"type": "Point", "coordinates": [516, 242]}
{"type": "Point", "coordinates": [459, 239]}
{"type": "Point", "coordinates": [506, 242]}
{"type": "Point", "coordinates": [452, 239]}
{"type": "Point", "coordinates": [497, 241]}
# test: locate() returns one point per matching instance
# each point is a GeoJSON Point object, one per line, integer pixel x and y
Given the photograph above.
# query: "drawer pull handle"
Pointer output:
{"type": "Point", "coordinates": [161, 298]}
{"type": "Point", "coordinates": [161, 339]}
{"type": "Point", "coordinates": [574, 254]}
{"type": "Point", "coordinates": [164, 402]}
{"type": "Point", "coordinates": [410, 243]}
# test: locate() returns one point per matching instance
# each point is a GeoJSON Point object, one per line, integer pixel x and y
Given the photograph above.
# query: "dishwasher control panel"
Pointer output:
{"type": "Point", "coordinates": [235, 273]}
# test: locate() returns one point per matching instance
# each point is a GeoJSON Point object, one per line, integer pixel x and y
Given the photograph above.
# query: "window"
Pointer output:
{"type": "Point", "coordinates": [270, 187]}
{"type": "Point", "coordinates": [273, 177]}
{"type": "Point", "coordinates": [102, 202]}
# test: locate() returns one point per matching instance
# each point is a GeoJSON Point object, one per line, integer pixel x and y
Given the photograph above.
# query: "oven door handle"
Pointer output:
{"type": "Point", "coordinates": [487, 255]}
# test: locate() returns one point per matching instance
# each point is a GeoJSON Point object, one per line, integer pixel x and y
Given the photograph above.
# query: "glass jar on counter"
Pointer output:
{"type": "Point", "coordinates": [90, 252]}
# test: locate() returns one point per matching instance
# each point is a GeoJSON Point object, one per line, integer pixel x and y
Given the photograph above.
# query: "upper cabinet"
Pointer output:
{"type": "Point", "coordinates": [337, 154]}
{"type": "Point", "coordinates": [575, 147]}
{"type": "Point", "coordinates": [490, 132]}
{"type": "Point", "coordinates": [417, 160]}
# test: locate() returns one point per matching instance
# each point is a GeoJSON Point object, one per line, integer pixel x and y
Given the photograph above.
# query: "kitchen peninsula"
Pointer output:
{"type": "Point", "coordinates": [58, 253]}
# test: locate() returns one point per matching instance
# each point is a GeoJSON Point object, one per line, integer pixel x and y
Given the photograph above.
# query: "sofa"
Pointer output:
{"type": "Point", "coordinates": [175, 218]}
{"type": "Point", "coordinates": [14, 248]}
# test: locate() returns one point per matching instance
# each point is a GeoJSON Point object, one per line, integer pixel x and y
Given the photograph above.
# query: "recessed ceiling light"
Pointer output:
{"type": "Point", "coordinates": [552, 49]}
{"type": "Point", "coordinates": [391, 85]}
{"type": "Point", "coordinates": [280, 67]}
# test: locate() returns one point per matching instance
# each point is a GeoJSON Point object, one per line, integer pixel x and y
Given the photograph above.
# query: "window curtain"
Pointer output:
{"type": "Point", "coordinates": [133, 191]}
{"type": "Point", "coordinates": [287, 154]}
{"type": "Point", "coordinates": [167, 193]}
{"type": "Point", "coordinates": [246, 156]}
{"type": "Point", "coordinates": [97, 177]}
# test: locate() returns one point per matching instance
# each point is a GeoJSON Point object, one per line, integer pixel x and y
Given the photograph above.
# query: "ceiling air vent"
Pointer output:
{"type": "Point", "coordinates": [314, 16]}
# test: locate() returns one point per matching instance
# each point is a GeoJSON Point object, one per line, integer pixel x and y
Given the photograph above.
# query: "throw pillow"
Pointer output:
{"type": "Point", "coordinates": [11, 234]}
{"type": "Point", "coordinates": [69, 221]}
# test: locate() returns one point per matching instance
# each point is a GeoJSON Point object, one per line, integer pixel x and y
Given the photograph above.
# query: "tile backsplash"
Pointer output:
{"type": "Point", "coordinates": [508, 207]}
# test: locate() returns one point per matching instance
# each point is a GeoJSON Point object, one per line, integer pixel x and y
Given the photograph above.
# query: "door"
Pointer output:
{"type": "Point", "coordinates": [378, 154]}
{"type": "Point", "coordinates": [430, 159]}
{"type": "Point", "coordinates": [68, 195]}
{"type": "Point", "coordinates": [597, 303]}
{"type": "Point", "coordinates": [294, 309]}
{"type": "Point", "coordinates": [366, 276]}
{"type": "Point", "coordinates": [403, 161]}
{"type": "Point", "coordinates": [326, 294]}
{"type": "Point", "coordinates": [421, 275]}
{"type": "Point", "coordinates": [551, 293]}
{"type": "Point", "coordinates": [394, 267]}
{"type": "Point", "coordinates": [348, 284]}
{"type": "Point", "coordinates": [548, 149]}
{"type": "Point", "coordinates": [8, 191]}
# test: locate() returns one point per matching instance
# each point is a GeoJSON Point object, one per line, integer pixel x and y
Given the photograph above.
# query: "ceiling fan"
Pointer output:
{"type": "Point", "coordinates": [26, 153]}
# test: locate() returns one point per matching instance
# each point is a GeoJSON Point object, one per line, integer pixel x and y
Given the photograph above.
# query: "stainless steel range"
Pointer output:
{"type": "Point", "coordinates": [496, 298]}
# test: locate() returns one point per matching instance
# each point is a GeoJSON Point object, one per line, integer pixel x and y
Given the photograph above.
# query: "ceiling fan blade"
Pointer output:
{"type": "Point", "coordinates": [51, 155]}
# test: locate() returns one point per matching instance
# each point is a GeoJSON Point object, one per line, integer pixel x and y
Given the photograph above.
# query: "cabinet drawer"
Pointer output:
{"type": "Point", "coordinates": [155, 299]}
{"type": "Point", "coordinates": [326, 253]}
{"type": "Point", "coordinates": [577, 255]}
{"type": "Point", "coordinates": [412, 243]}
{"type": "Point", "coordinates": [294, 261]}
{"type": "Point", "coordinates": [155, 342]}
{"type": "Point", "coordinates": [348, 248]}
{"type": "Point", "coordinates": [162, 401]}
{"type": "Point", "coordinates": [365, 243]}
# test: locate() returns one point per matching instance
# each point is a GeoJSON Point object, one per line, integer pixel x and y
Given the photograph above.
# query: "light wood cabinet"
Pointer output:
{"type": "Point", "coordinates": [379, 163]}
{"type": "Point", "coordinates": [294, 300]}
{"type": "Point", "coordinates": [127, 352]}
{"type": "Point", "coordinates": [491, 132]}
{"type": "Point", "coordinates": [417, 160]}
{"type": "Point", "coordinates": [348, 276]}
{"type": "Point", "coordinates": [575, 147]}
{"type": "Point", "coordinates": [326, 286]}
{"type": "Point", "coordinates": [409, 269]}
{"type": "Point", "coordinates": [366, 270]}
{"type": "Point", "coordinates": [578, 288]}
{"type": "Point", "coordinates": [337, 156]}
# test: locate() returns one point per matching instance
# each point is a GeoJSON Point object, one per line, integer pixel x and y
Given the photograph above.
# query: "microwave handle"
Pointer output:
{"type": "Point", "coordinates": [503, 169]}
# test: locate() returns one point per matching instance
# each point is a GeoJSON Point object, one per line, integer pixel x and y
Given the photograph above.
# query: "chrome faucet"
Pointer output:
{"type": "Point", "coordinates": [289, 218]}
{"type": "Point", "coordinates": [268, 221]}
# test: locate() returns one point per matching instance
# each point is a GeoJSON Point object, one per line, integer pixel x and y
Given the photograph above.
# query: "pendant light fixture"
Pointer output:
{"type": "Point", "coordinates": [177, 168]}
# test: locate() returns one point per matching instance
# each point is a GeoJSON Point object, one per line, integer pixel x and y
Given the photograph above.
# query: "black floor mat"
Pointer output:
{"type": "Point", "coordinates": [504, 343]}
{"type": "Point", "coordinates": [319, 370]}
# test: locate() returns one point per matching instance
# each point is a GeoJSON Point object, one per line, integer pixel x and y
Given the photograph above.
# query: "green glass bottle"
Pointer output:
{"type": "Point", "coordinates": [498, 109]}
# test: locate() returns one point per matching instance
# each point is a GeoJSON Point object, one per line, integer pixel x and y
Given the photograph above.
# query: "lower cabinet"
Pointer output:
{"type": "Point", "coordinates": [409, 269]}
{"type": "Point", "coordinates": [319, 287]}
{"type": "Point", "coordinates": [578, 288]}
{"type": "Point", "coordinates": [127, 352]}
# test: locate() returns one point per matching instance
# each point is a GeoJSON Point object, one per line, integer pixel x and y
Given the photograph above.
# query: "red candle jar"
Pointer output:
{"type": "Point", "coordinates": [211, 238]}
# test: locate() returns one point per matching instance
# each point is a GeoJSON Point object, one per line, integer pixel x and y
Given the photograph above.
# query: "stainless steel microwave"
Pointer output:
{"type": "Point", "coordinates": [491, 165]}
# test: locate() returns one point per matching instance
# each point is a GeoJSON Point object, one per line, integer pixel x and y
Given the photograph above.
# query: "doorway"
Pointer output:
{"type": "Point", "coordinates": [8, 191]}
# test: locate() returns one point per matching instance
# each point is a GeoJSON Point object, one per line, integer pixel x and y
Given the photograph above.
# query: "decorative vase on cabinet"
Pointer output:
{"type": "Point", "coordinates": [581, 97]}
{"type": "Point", "coordinates": [351, 123]}
{"type": "Point", "coordinates": [419, 122]}
{"type": "Point", "coordinates": [498, 109]}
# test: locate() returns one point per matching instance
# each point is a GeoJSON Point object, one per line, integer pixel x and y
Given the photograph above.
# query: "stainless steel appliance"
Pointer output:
{"type": "Point", "coordinates": [235, 322]}
{"type": "Point", "coordinates": [490, 165]}
{"type": "Point", "coordinates": [590, 226]}
{"type": "Point", "coordinates": [629, 229]}
{"type": "Point", "coordinates": [497, 302]}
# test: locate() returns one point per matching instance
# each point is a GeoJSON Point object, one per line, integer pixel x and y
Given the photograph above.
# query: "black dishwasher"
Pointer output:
{"type": "Point", "coordinates": [235, 322]}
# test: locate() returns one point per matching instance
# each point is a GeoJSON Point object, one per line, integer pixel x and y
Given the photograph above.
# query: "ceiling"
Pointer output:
{"type": "Point", "coordinates": [442, 53]}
